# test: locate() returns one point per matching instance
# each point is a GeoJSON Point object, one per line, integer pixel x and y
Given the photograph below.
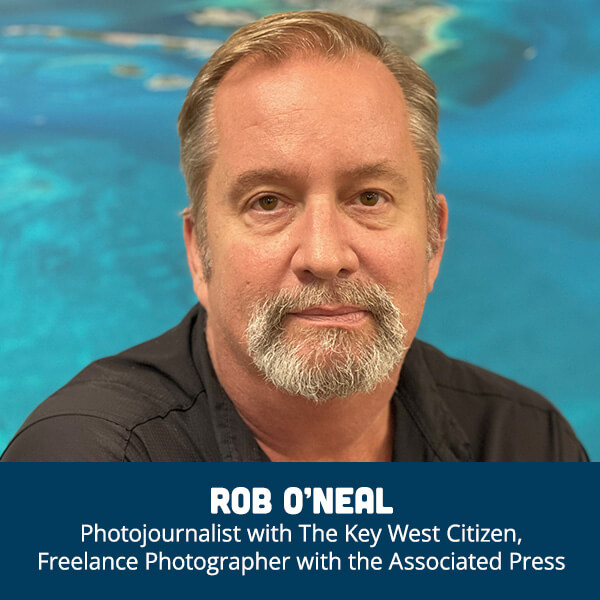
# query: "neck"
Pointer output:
{"type": "Point", "coordinates": [325, 433]}
{"type": "Point", "coordinates": [359, 427]}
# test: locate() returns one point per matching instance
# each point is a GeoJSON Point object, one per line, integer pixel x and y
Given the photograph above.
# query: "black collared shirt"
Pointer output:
{"type": "Point", "coordinates": [161, 401]}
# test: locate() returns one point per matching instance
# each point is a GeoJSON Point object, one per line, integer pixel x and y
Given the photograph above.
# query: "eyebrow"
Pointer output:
{"type": "Point", "coordinates": [384, 170]}
{"type": "Point", "coordinates": [255, 177]}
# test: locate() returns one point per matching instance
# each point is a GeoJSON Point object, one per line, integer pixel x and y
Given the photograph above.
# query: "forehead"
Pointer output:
{"type": "Point", "coordinates": [311, 109]}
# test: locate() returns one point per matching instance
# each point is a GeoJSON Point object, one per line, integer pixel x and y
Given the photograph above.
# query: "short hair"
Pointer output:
{"type": "Point", "coordinates": [276, 38]}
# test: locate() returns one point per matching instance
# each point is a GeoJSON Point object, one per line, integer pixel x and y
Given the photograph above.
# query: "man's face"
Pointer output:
{"type": "Point", "coordinates": [315, 186]}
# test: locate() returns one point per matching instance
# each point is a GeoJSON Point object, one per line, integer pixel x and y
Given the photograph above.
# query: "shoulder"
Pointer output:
{"type": "Point", "coordinates": [503, 420]}
{"type": "Point", "coordinates": [100, 413]}
{"type": "Point", "coordinates": [465, 378]}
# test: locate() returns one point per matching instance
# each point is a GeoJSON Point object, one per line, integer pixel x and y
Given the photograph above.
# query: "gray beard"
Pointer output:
{"type": "Point", "coordinates": [326, 362]}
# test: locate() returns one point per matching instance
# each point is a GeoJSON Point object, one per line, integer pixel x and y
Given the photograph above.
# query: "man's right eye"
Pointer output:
{"type": "Point", "coordinates": [267, 203]}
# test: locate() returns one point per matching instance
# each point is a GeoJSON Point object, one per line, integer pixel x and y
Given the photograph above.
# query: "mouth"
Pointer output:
{"type": "Point", "coordinates": [332, 315]}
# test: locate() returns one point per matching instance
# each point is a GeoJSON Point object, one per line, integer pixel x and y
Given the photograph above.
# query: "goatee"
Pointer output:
{"type": "Point", "coordinates": [320, 362]}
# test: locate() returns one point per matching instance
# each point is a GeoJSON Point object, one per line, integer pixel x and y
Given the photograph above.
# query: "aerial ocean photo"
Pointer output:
{"type": "Point", "coordinates": [91, 253]}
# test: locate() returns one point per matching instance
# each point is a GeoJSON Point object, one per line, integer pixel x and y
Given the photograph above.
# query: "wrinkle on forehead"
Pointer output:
{"type": "Point", "coordinates": [285, 87]}
{"type": "Point", "coordinates": [314, 116]}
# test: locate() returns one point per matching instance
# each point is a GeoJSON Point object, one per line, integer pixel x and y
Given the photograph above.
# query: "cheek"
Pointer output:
{"type": "Point", "coordinates": [246, 269]}
{"type": "Point", "coordinates": [398, 262]}
{"type": "Point", "coordinates": [401, 267]}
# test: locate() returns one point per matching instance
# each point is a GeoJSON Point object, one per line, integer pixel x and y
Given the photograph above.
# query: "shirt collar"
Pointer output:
{"type": "Point", "coordinates": [426, 430]}
{"type": "Point", "coordinates": [234, 439]}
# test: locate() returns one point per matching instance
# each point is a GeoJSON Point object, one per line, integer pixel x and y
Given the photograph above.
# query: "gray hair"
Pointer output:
{"type": "Point", "coordinates": [326, 362]}
{"type": "Point", "coordinates": [278, 37]}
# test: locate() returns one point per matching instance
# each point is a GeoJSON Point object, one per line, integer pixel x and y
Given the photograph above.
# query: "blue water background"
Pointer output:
{"type": "Point", "coordinates": [91, 258]}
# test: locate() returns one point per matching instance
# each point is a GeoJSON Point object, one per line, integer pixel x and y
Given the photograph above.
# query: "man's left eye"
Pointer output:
{"type": "Point", "coordinates": [369, 198]}
{"type": "Point", "coordinates": [267, 203]}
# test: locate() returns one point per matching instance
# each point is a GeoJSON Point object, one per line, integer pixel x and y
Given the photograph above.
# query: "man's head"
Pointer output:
{"type": "Point", "coordinates": [274, 39]}
{"type": "Point", "coordinates": [314, 225]}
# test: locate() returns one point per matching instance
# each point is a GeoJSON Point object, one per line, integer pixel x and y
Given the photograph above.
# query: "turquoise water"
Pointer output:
{"type": "Point", "coordinates": [90, 251]}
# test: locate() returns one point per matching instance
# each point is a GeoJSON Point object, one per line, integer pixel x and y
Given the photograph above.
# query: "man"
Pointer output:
{"type": "Point", "coordinates": [313, 237]}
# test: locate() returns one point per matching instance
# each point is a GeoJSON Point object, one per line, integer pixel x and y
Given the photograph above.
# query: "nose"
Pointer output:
{"type": "Point", "coordinates": [323, 248]}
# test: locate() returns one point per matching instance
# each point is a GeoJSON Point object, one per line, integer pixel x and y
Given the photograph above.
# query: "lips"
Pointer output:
{"type": "Point", "coordinates": [329, 310]}
{"type": "Point", "coordinates": [334, 314]}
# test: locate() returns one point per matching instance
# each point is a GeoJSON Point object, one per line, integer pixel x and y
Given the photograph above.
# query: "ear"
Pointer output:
{"type": "Point", "coordinates": [434, 262]}
{"type": "Point", "coordinates": [193, 257]}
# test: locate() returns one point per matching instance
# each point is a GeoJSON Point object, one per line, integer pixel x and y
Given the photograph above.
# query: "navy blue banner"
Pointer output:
{"type": "Point", "coordinates": [227, 531]}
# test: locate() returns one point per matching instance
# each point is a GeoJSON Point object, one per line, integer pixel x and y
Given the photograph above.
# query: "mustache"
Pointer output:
{"type": "Point", "coordinates": [371, 297]}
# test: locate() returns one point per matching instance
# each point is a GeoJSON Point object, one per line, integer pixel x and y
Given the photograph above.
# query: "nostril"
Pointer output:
{"type": "Point", "coordinates": [330, 264]}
